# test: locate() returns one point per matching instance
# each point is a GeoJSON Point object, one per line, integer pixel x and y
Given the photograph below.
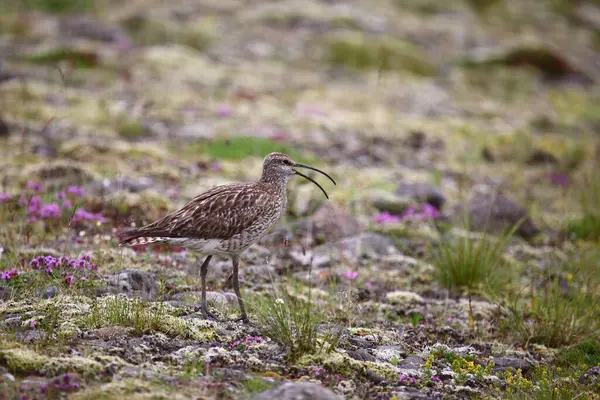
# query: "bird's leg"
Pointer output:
{"type": "Point", "coordinates": [236, 288]}
{"type": "Point", "coordinates": [203, 271]}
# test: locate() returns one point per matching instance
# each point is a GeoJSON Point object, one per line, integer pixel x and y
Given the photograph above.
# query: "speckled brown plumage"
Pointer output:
{"type": "Point", "coordinates": [227, 219]}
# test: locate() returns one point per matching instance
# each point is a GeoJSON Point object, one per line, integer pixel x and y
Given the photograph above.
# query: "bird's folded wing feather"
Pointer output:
{"type": "Point", "coordinates": [216, 214]}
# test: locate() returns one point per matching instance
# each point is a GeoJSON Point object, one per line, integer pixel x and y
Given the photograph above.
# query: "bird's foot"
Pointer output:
{"type": "Point", "coordinates": [243, 318]}
{"type": "Point", "coordinates": [209, 316]}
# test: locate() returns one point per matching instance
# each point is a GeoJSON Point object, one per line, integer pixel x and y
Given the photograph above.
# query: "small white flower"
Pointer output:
{"type": "Point", "coordinates": [279, 301]}
{"type": "Point", "coordinates": [81, 233]}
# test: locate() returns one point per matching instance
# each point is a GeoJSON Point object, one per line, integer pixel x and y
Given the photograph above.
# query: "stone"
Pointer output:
{"type": "Point", "coordinates": [411, 362]}
{"type": "Point", "coordinates": [48, 292]}
{"type": "Point", "coordinates": [495, 213]}
{"type": "Point", "coordinates": [385, 201]}
{"type": "Point", "coordinates": [501, 364]}
{"type": "Point", "coordinates": [361, 355]}
{"type": "Point", "coordinates": [132, 281]}
{"type": "Point", "coordinates": [423, 193]}
{"type": "Point", "coordinates": [591, 376]}
{"type": "Point", "coordinates": [328, 224]}
{"type": "Point", "coordinates": [298, 391]}
{"type": "Point", "coordinates": [403, 298]}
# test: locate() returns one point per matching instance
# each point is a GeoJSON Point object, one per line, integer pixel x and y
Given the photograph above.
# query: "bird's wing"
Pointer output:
{"type": "Point", "coordinates": [216, 214]}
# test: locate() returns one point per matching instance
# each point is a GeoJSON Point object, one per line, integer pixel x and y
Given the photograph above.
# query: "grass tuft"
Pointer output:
{"type": "Point", "coordinates": [295, 321]}
{"type": "Point", "coordinates": [240, 147]}
{"type": "Point", "coordinates": [588, 225]}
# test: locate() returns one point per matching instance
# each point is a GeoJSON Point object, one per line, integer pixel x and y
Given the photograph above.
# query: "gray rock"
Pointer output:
{"type": "Point", "coordinates": [423, 193]}
{"type": "Point", "coordinates": [411, 362]}
{"type": "Point", "coordinates": [48, 292]}
{"type": "Point", "coordinates": [591, 376]}
{"type": "Point", "coordinates": [361, 355]}
{"type": "Point", "coordinates": [132, 282]}
{"type": "Point", "coordinates": [371, 245]}
{"type": "Point", "coordinates": [504, 363]}
{"type": "Point", "coordinates": [494, 213]}
{"type": "Point", "coordinates": [328, 224]}
{"type": "Point", "coordinates": [298, 391]}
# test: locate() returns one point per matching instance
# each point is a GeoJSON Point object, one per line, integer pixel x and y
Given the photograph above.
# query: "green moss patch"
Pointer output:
{"type": "Point", "coordinates": [240, 147]}
{"type": "Point", "coordinates": [360, 52]}
{"type": "Point", "coordinates": [78, 58]}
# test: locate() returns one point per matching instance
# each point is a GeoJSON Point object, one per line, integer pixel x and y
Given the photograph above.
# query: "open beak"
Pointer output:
{"type": "Point", "coordinates": [312, 180]}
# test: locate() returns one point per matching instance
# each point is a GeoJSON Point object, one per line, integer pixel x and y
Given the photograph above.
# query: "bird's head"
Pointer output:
{"type": "Point", "coordinates": [279, 167]}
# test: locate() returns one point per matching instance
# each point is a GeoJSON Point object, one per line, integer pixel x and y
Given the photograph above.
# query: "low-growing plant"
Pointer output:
{"type": "Point", "coordinates": [588, 225]}
{"type": "Point", "coordinates": [294, 321]}
{"type": "Point", "coordinates": [472, 265]}
{"type": "Point", "coordinates": [563, 310]}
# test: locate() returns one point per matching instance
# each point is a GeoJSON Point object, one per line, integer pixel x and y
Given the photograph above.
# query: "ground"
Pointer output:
{"type": "Point", "coordinates": [456, 258]}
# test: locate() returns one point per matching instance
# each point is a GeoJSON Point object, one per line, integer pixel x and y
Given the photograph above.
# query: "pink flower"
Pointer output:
{"type": "Point", "coordinates": [5, 197]}
{"type": "Point", "coordinates": [224, 110]}
{"type": "Point", "coordinates": [33, 324]}
{"type": "Point", "coordinates": [75, 191]}
{"type": "Point", "coordinates": [435, 379]}
{"type": "Point", "coordinates": [350, 275]}
{"type": "Point", "coordinates": [34, 186]}
{"type": "Point", "coordinates": [387, 218]}
{"type": "Point", "coordinates": [69, 280]}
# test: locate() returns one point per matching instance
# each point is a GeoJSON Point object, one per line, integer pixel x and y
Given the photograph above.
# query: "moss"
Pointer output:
{"type": "Point", "coordinates": [190, 329]}
{"type": "Point", "coordinates": [22, 360]}
{"type": "Point", "coordinates": [84, 366]}
{"type": "Point", "coordinates": [388, 371]}
{"type": "Point", "coordinates": [55, 6]}
{"type": "Point", "coordinates": [240, 147]}
{"type": "Point", "coordinates": [77, 58]}
{"type": "Point", "coordinates": [131, 129]}
{"type": "Point", "coordinates": [360, 52]}
{"type": "Point", "coordinates": [335, 363]}
{"type": "Point", "coordinates": [131, 389]}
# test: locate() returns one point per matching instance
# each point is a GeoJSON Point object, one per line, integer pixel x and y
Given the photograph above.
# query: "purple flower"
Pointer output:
{"type": "Point", "coordinates": [350, 275]}
{"type": "Point", "coordinates": [8, 275]}
{"type": "Point", "coordinates": [5, 197]}
{"type": "Point", "coordinates": [559, 179]}
{"type": "Point", "coordinates": [75, 191]}
{"type": "Point", "coordinates": [387, 218]}
{"type": "Point", "coordinates": [224, 110]}
{"type": "Point", "coordinates": [51, 210]}
{"type": "Point", "coordinates": [66, 204]}
{"type": "Point", "coordinates": [69, 280]}
{"type": "Point", "coordinates": [83, 215]}
{"type": "Point", "coordinates": [34, 186]}
{"type": "Point", "coordinates": [60, 196]}
{"type": "Point", "coordinates": [33, 324]}
{"type": "Point", "coordinates": [435, 379]}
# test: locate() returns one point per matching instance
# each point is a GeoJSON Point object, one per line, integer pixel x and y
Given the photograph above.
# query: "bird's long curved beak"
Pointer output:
{"type": "Point", "coordinates": [312, 180]}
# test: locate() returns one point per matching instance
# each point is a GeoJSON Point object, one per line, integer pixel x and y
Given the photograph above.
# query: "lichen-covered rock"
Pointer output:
{"type": "Point", "coordinates": [404, 298]}
{"type": "Point", "coordinates": [298, 391]}
{"type": "Point", "coordinates": [328, 224]}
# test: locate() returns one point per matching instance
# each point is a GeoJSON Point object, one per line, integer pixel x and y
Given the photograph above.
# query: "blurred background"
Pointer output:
{"type": "Point", "coordinates": [113, 113]}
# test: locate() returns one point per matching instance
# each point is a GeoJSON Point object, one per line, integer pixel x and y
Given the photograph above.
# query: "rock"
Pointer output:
{"type": "Point", "coordinates": [541, 157]}
{"type": "Point", "coordinates": [361, 355]}
{"type": "Point", "coordinates": [4, 130]}
{"type": "Point", "coordinates": [328, 224]}
{"type": "Point", "coordinates": [423, 193]}
{"type": "Point", "coordinates": [298, 391]}
{"type": "Point", "coordinates": [131, 282]}
{"type": "Point", "coordinates": [385, 201]}
{"type": "Point", "coordinates": [411, 362]}
{"type": "Point", "coordinates": [48, 292]}
{"type": "Point", "coordinates": [552, 62]}
{"type": "Point", "coordinates": [403, 298]}
{"type": "Point", "coordinates": [494, 213]}
{"type": "Point", "coordinates": [591, 376]}
{"type": "Point", "coordinates": [58, 174]}
{"type": "Point", "coordinates": [85, 27]}
{"type": "Point", "coordinates": [501, 364]}
{"type": "Point", "coordinates": [389, 353]}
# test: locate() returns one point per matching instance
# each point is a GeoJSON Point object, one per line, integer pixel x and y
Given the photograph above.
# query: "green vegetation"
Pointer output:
{"type": "Point", "coordinates": [77, 58]}
{"type": "Point", "coordinates": [240, 147]}
{"type": "Point", "coordinates": [564, 310]}
{"type": "Point", "coordinates": [293, 320]}
{"type": "Point", "coordinates": [55, 6]}
{"type": "Point", "coordinates": [131, 129]}
{"type": "Point", "coordinates": [588, 225]}
{"type": "Point", "coordinates": [359, 52]}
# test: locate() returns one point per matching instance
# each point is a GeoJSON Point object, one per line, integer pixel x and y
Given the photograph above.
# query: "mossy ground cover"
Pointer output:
{"type": "Point", "coordinates": [376, 293]}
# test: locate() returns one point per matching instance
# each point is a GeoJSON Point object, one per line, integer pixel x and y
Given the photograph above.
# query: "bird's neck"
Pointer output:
{"type": "Point", "coordinates": [274, 182]}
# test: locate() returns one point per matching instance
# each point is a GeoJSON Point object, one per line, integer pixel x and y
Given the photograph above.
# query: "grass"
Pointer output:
{"type": "Point", "coordinates": [240, 147]}
{"type": "Point", "coordinates": [77, 58]}
{"type": "Point", "coordinates": [588, 225]}
{"type": "Point", "coordinates": [561, 312]}
{"type": "Point", "coordinates": [293, 320]}
{"type": "Point", "coordinates": [121, 311]}
{"type": "Point", "coordinates": [131, 129]}
{"type": "Point", "coordinates": [55, 6]}
{"type": "Point", "coordinates": [358, 52]}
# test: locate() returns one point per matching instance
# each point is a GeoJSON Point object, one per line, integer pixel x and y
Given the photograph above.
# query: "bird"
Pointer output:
{"type": "Point", "coordinates": [226, 220]}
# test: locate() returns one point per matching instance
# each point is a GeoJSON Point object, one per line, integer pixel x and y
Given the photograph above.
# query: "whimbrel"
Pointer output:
{"type": "Point", "coordinates": [226, 220]}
